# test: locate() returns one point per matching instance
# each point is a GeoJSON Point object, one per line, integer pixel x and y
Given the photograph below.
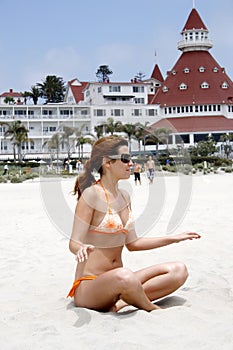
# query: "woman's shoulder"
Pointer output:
{"type": "Point", "coordinates": [90, 195]}
{"type": "Point", "coordinates": [125, 194]}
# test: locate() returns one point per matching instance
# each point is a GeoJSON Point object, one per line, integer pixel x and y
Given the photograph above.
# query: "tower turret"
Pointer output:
{"type": "Point", "coordinates": [195, 34]}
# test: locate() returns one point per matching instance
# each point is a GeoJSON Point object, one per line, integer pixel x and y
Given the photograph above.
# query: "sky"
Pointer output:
{"type": "Point", "coordinates": [72, 38]}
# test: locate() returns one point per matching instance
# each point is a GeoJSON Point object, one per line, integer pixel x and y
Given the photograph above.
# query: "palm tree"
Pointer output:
{"type": "Point", "coordinates": [159, 135]}
{"type": "Point", "coordinates": [139, 134]}
{"type": "Point", "coordinates": [130, 130]}
{"type": "Point", "coordinates": [66, 133]}
{"type": "Point", "coordinates": [54, 144]}
{"type": "Point", "coordinates": [111, 126]}
{"type": "Point", "coordinates": [18, 134]}
{"type": "Point", "coordinates": [35, 94]}
{"type": "Point", "coordinates": [99, 130]}
{"type": "Point", "coordinates": [81, 141]}
{"type": "Point", "coordinates": [52, 89]}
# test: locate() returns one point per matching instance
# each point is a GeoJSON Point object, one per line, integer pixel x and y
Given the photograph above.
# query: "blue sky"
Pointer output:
{"type": "Point", "coordinates": [72, 38]}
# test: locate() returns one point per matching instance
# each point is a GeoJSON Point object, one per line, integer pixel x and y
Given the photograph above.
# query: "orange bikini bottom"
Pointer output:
{"type": "Point", "coordinates": [77, 283]}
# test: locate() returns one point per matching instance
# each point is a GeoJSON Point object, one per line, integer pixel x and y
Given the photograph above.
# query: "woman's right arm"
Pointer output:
{"type": "Point", "coordinates": [82, 219]}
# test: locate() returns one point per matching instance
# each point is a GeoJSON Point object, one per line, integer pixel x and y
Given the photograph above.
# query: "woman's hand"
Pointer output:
{"type": "Point", "coordinates": [186, 235]}
{"type": "Point", "coordinates": [83, 252]}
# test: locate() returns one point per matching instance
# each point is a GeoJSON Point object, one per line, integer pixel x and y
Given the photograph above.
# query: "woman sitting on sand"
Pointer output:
{"type": "Point", "coordinates": [102, 226]}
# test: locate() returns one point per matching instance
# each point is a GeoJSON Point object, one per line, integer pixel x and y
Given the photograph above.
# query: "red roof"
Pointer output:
{"type": "Point", "coordinates": [195, 124]}
{"type": "Point", "coordinates": [194, 21]}
{"type": "Point", "coordinates": [213, 75]}
{"type": "Point", "coordinates": [156, 74]}
{"type": "Point", "coordinates": [77, 90]}
{"type": "Point", "coordinates": [11, 93]}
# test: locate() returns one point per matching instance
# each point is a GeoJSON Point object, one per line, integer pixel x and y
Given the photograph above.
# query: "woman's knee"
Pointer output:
{"type": "Point", "coordinates": [181, 271]}
{"type": "Point", "coordinates": [125, 278]}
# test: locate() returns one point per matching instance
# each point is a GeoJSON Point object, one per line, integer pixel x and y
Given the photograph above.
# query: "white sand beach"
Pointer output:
{"type": "Point", "coordinates": [37, 269]}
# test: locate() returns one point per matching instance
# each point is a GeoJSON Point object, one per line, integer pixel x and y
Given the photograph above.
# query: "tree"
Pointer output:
{"type": "Point", "coordinates": [81, 141]}
{"type": "Point", "coordinates": [206, 147]}
{"type": "Point", "coordinates": [159, 135]}
{"type": "Point", "coordinates": [103, 73]}
{"type": "Point", "coordinates": [18, 134]}
{"type": "Point", "coordinates": [130, 130]}
{"type": "Point", "coordinates": [99, 130]}
{"type": "Point", "coordinates": [226, 141]}
{"type": "Point", "coordinates": [9, 100]}
{"type": "Point", "coordinates": [52, 89]}
{"type": "Point", "coordinates": [139, 76]}
{"type": "Point", "coordinates": [111, 126]}
{"type": "Point", "coordinates": [54, 145]}
{"type": "Point", "coordinates": [66, 133]}
{"type": "Point", "coordinates": [34, 94]}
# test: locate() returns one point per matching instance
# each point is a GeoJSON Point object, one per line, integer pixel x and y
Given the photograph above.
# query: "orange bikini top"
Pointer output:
{"type": "Point", "coordinates": [112, 222]}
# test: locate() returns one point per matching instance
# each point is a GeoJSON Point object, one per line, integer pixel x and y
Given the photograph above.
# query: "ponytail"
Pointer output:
{"type": "Point", "coordinates": [85, 180]}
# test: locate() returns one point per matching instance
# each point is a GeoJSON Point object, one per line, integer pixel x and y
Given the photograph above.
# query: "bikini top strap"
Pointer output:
{"type": "Point", "coordinates": [107, 198]}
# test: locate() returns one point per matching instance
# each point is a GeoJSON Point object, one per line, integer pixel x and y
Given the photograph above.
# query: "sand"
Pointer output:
{"type": "Point", "coordinates": [37, 269]}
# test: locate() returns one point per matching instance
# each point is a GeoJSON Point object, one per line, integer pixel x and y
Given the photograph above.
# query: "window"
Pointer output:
{"type": "Point", "coordinates": [30, 112]}
{"type": "Point", "coordinates": [99, 89]}
{"type": "Point", "coordinates": [137, 112]}
{"type": "Point", "coordinates": [165, 89]}
{"type": "Point", "coordinates": [225, 85]}
{"type": "Point", "coordinates": [205, 85]}
{"type": "Point", "coordinates": [84, 112]}
{"type": "Point", "coordinates": [139, 100]}
{"type": "Point", "coordinates": [186, 70]}
{"type": "Point", "coordinates": [47, 112]}
{"type": "Point", "coordinates": [114, 88]}
{"type": "Point", "coordinates": [66, 112]}
{"type": "Point", "coordinates": [153, 112]}
{"type": "Point", "coordinates": [183, 86]}
{"type": "Point", "coordinates": [215, 69]}
{"type": "Point", "coordinates": [117, 112]}
{"type": "Point", "coordinates": [99, 112]}
{"type": "Point", "coordinates": [201, 69]}
{"type": "Point", "coordinates": [138, 88]}
{"type": "Point", "coordinates": [3, 145]}
{"type": "Point", "coordinates": [20, 112]}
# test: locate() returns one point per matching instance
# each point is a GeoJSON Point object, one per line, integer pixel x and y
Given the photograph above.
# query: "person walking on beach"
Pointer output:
{"type": "Point", "coordinates": [150, 168]}
{"type": "Point", "coordinates": [137, 173]}
{"type": "Point", "coordinates": [103, 225]}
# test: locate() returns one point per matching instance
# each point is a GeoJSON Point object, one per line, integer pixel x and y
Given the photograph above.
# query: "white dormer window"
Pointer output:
{"type": "Point", "coordinates": [205, 85]}
{"type": "Point", "coordinates": [215, 69]}
{"type": "Point", "coordinates": [183, 86]}
{"type": "Point", "coordinates": [201, 69]}
{"type": "Point", "coordinates": [165, 89]}
{"type": "Point", "coordinates": [186, 70]}
{"type": "Point", "coordinates": [173, 72]}
{"type": "Point", "coordinates": [225, 85]}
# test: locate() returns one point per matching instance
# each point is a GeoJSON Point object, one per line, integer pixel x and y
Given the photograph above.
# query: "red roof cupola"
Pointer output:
{"type": "Point", "coordinates": [195, 34]}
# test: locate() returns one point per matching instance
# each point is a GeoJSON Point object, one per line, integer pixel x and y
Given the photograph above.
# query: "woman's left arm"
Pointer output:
{"type": "Point", "coordinates": [146, 243]}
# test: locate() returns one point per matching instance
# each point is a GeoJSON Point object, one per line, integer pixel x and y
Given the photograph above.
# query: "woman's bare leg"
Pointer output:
{"type": "Point", "coordinates": [159, 281]}
{"type": "Point", "coordinates": [103, 292]}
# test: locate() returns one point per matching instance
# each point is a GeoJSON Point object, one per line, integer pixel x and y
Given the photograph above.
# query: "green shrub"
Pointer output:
{"type": "Point", "coordinates": [16, 179]}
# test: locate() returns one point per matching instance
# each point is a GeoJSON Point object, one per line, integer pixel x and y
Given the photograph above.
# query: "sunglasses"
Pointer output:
{"type": "Point", "coordinates": [124, 157]}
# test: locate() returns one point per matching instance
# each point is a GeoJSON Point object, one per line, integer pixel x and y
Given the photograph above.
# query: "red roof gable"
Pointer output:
{"type": "Point", "coordinates": [195, 124]}
{"type": "Point", "coordinates": [77, 90]}
{"type": "Point", "coordinates": [156, 74]}
{"type": "Point", "coordinates": [213, 75]}
{"type": "Point", "coordinates": [194, 21]}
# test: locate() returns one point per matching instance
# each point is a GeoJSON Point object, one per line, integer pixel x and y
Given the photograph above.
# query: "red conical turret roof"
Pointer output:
{"type": "Point", "coordinates": [156, 74]}
{"type": "Point", "coordinates": [194, 21]}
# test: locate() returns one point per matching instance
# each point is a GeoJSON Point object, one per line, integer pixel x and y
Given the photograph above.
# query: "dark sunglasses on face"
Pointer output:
{"type": "Point", "coordinates": [124, 157]}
